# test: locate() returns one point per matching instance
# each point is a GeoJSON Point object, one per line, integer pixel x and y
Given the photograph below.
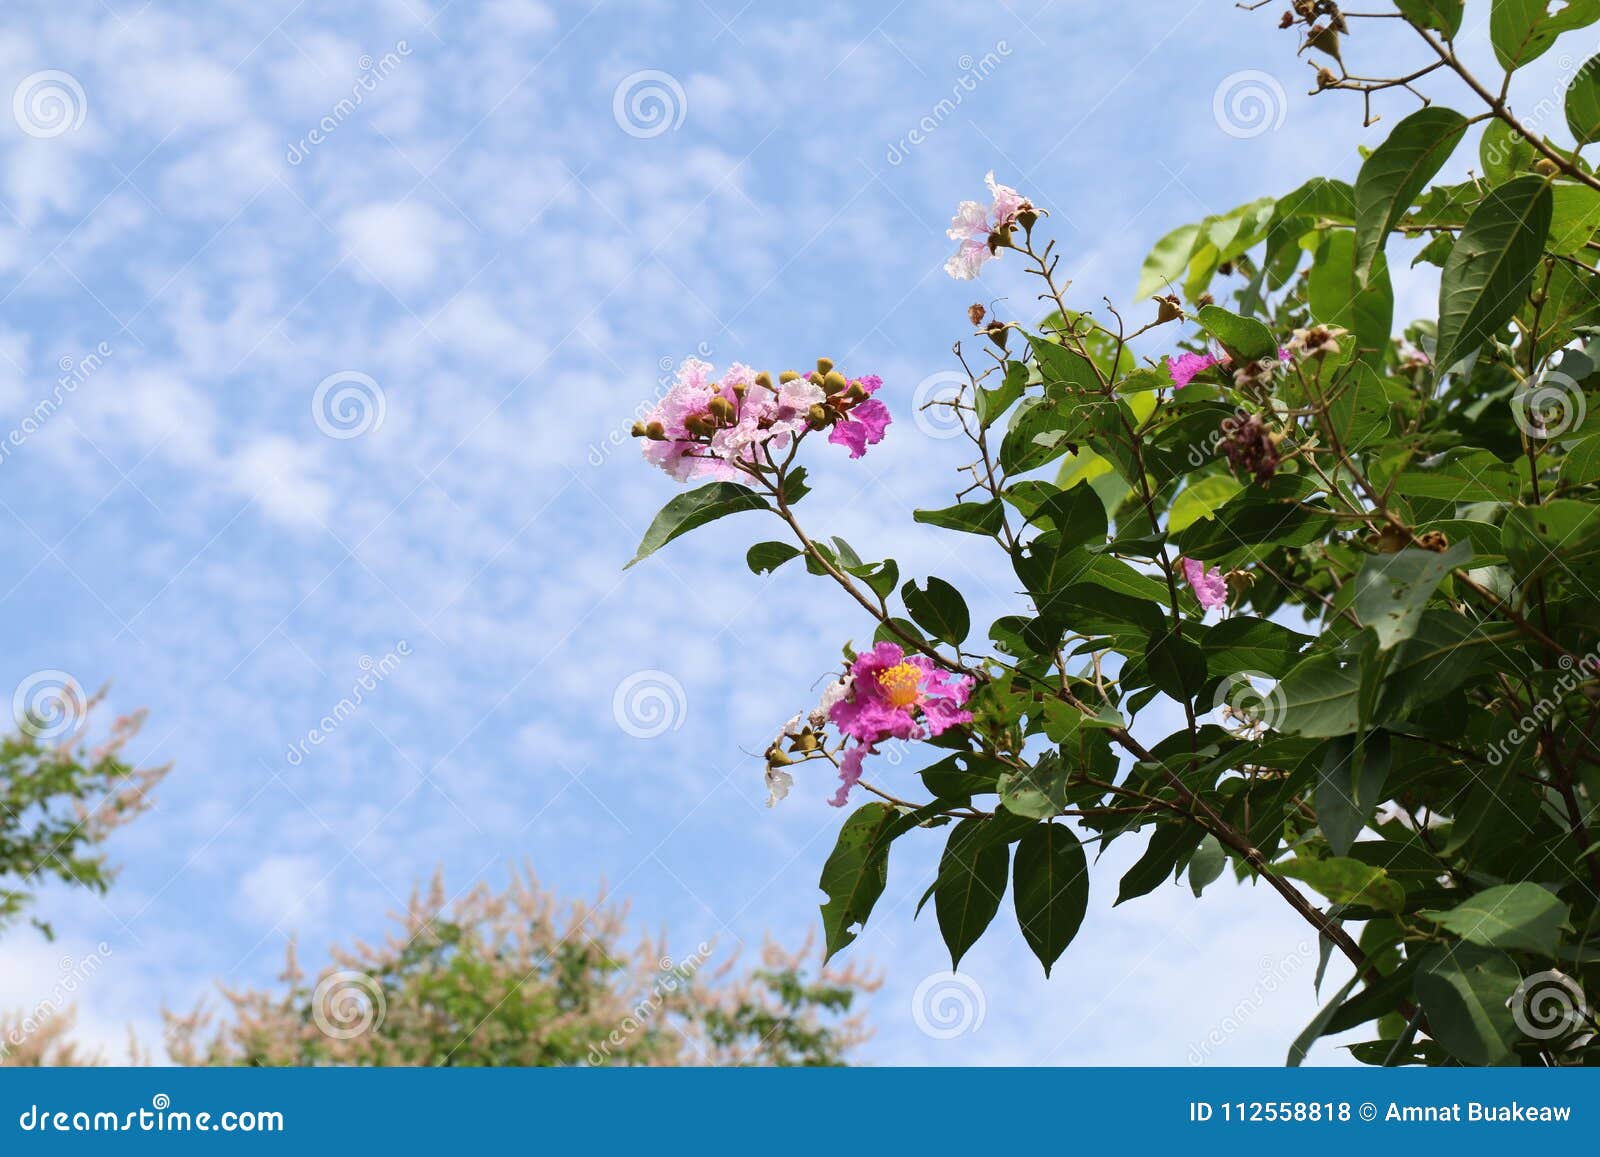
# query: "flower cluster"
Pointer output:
{"type": "Point", "coordinates": [1250, 447]}
{"type": "Point", "coordinates": [721, 428]}
{"type": "Point", "coordinates": [886, 694]}
{"type": "Point", "coordinates": [983, 232]}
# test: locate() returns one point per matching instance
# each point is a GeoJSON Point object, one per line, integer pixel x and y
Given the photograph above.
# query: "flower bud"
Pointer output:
{"type": "Point", "coordinates": [639, 430]}
{"type": "Point", "coordinates": [857, 393]}
{"type": "Point", "coordinates": [1545, 167]}
{"type": "Point", "coordinates": [788, 376]}
{"type": "Point", "coordinates": [721, 409]}
{"type": "Point", "coordinates": [833, 382]}
{"type": "Point", "coordinates": [817, 415]}
{"type": "Point", "coordinates": [764, 379]}
{"type": "Point", "coordinates": [824, 365]}
{"type": "Point", "coordinates": [656, 432]}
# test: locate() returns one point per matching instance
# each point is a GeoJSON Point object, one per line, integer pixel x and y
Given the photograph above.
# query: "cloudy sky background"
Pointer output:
{"type": "Point", "coordinates": [486, 241]}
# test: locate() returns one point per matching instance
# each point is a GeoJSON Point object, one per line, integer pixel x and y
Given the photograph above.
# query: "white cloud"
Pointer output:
{"type": "Point", "coordinates": [397, 244]}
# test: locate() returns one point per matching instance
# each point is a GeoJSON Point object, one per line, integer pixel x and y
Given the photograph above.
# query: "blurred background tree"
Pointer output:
{"type": "Point", "coordinates": [519, 978]}
{"type": "Point", "coordinates": [61, 796]}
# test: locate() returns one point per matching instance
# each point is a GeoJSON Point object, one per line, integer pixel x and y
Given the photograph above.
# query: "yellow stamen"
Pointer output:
{"type": "Point", "coordinates": [902, 684]}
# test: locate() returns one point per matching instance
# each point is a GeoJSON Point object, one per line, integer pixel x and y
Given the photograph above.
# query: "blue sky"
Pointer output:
{"type": "Point", "coordinates": [482, 242]}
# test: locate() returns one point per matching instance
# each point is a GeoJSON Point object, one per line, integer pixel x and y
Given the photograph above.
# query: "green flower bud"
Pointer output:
{"type": "Point", "coordinates": [788, 376]}
{"type": "Point", "coordinates": [824, 365]}
{"type": "Point", "coordinates": [833, 381]}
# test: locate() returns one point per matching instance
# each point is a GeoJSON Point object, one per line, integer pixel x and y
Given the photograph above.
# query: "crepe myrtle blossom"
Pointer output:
{"type": "Point", "coordinates": [1210, 587]}
{"type": "Point", "coordinates": [1184, 368]}
{"type": "Point", "coordinates": [981, 231]}
{"type": "Point", "coordinates": [892, 695]}
{"type": "Point", "coordinates": [721, 429]}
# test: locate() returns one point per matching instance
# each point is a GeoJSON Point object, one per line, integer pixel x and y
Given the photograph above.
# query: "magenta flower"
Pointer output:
{"type": "Point", "coordinates": [703, 428]}
{"type": "Point", "coordinates": [1209, 586]}
{"type": "Point", "coordinates": [1182, 369]}
{"type": "Point", "coordinates": [892, 695]}
{"type": "Point", "coordinates": [865, 422]}
{"type": "Point", "coordinates": [973, 226]}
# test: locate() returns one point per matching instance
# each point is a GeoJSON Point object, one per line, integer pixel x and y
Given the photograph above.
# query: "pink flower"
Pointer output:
{"type": "Point", "coordinates": [864, 427]}
{"type": "Point", "coordinates": [892, 695]}
{"type": "Point", "coordinates": [973, 226]}
{"type": "Point", "coordinates": [1209, 586]}
{"type": "Point", "coordinates": [1183, 368]}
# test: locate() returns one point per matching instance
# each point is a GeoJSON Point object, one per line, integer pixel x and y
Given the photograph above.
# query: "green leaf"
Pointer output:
{"type": "Point", "coordinates": [1392, 589]}
{"type": "Point", "coordinates": [1339, 297]}
{"type": "Point", "coordinates": [1037, 792]}
{"type": "Point", "coordinates": [1583, 102]}
{"type": "Point", "coordinates": [1439, 15]}
{"type": "Point", "coordinates": [1207, 864]}
{"type": "Point", "coordinates": [1051, 890]}
{"type": "Point", "coordinates": [1167, 261]}
{"type": "Point", "coordinates": [856, 872]}
{"type": "Point", "coordinates": [1169, 847]}
{"type": "Point", "coordinates": [1246, 644]}
{"type": "Point", "coordinates": [970, 886]}
{"type": "Point", "coordinates": [1059, 366]}
{"type": "Point", "coordinates": [765, 557]}
{"type": "Point", "coordinates": [1511, 916]}
{"type": "Point", "coordinates": [973, 517]}
{"type": "Point", "coordinates": [992, 402]}
{"type": "Point", "coordinates": [1200, 499]}
{"type": "Point", "coordinates": [1350, 787]}
{"type": "Point", "coordinates": [1244, 337]}
{"type": "Point", "coordinates": [1486, 276]}
{"type": "Point", "coordinates": [1523, 30]}
{"type": "Point", "coordinates": [1319, 1025]}
{"type": "Point", "coordinates": [1320, 697]}
{"type": "Point", "coordinates": [696, 508]}
{"type": "Point", "coordinates": [1346, 881]}
{"type": "Point", "coordinates": [1175, 665]}
{"type": "Point", "coordinates": [1465, 990]}
{"type": "Point", "coordinates": [1397, 171]}
{"type": "Point", "coordinates": [940, 610]}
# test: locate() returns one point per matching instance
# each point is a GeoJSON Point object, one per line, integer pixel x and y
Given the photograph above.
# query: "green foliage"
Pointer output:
{"type": "Point", "coordinates": [1392, 723]}
{"type": "Point", "coordinates": [60, 797]}
{"type": "Point", "coordinates": [514, 978]}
